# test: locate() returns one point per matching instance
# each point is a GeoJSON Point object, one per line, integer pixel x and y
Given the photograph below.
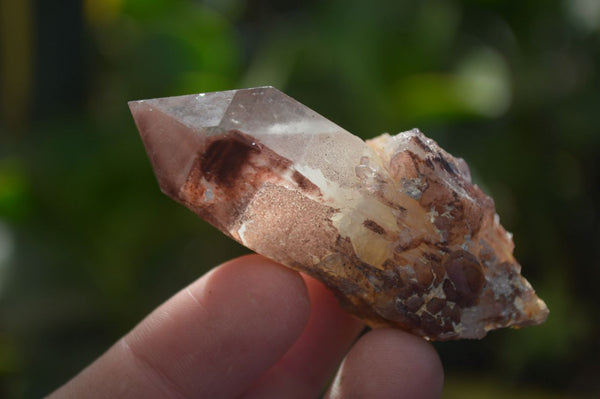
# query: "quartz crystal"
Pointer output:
{"type": "Point", "coordinates": [394, 226]}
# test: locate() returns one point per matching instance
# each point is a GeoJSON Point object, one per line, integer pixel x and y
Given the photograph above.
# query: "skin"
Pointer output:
{"type": "Point", "coordinates": [252, 328]}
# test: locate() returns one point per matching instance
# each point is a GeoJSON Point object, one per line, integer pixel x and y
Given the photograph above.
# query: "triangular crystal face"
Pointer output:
{"type": "Point", "coordinates": [393, 226]}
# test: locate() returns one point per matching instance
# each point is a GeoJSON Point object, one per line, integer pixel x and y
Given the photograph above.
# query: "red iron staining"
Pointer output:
{"type": "Point", "coordinates": [403, 166]}
{"type": "Point", "coordinates": [374, 227]}
{"type": "Point", "coordinates": [466, 277]}
{"type": "Point", "coordinates": [424, 275]}
{"type": "Point", "coordinates": [413, 304]}
{"type": "Point", "coordinates": [304, 184]}
{"type": "Point", "coordinates": [405, 291]}
{"type": "Point", "coordinates": [450, 291]}
{"type": "Point", "coordinates": [435, 305]}
{"type": "Point", "coordinates": [223, 160]}
{"type": "Point", "coordinates": [430, 325]}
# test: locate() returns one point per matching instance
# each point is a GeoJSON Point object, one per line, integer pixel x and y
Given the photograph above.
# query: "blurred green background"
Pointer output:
{"type": "Point", "coordinates": [89, 245]}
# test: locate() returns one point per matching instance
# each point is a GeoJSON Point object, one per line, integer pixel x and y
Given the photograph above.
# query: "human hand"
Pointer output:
{"type": "Point", "coordinates": [252, 328]}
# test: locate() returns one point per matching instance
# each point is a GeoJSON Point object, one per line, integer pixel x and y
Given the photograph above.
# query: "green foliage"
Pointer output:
{"type": "Point", "coordinates": [14, 199]}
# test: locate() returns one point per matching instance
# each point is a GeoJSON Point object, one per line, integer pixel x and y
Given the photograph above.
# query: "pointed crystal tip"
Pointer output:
{"type": "Point", "coordinates": [169, 145]}
{"type": "Point", "coordinates": [171, 129]}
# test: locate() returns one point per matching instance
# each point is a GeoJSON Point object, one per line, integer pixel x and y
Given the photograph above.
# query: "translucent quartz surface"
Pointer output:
{"type": "Point", "coordinates": [393, 226]}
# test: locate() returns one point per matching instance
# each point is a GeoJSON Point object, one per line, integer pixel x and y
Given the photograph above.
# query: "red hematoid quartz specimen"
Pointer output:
{"type": "Point", "coordinates": [393, 226]}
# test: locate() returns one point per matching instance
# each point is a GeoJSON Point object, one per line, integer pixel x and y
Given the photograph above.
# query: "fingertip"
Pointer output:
{"type": "Point", "coordinates": [390, 363]}
{"type": "Point", "coordinates": [308, 366]}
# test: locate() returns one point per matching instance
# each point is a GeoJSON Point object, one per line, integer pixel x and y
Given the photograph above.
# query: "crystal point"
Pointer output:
{"type": "Point", "coordinates": [393, 226]}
